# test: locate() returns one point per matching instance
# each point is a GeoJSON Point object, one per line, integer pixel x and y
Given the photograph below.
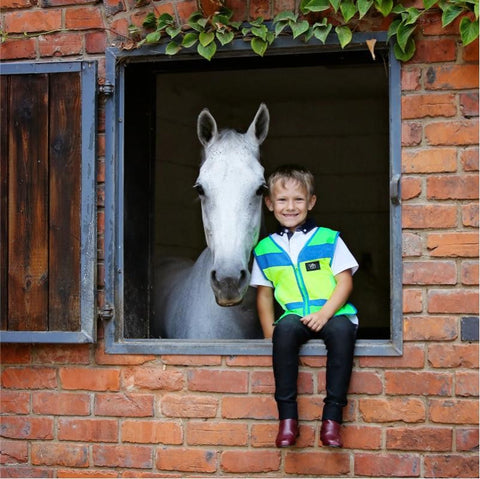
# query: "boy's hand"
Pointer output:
{"type": "Point", "coordinates": [315, 321]}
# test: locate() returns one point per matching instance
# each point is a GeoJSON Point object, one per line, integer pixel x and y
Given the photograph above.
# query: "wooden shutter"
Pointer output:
{"type": "Point", "coordinates": [41, 201]}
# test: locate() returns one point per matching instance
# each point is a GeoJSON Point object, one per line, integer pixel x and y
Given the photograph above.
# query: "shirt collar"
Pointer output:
{"type": "Point", "coordinates": [304, 228]}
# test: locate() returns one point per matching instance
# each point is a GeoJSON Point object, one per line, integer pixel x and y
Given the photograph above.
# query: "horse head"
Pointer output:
{"type": "Point", "coordinates": [230, 186]}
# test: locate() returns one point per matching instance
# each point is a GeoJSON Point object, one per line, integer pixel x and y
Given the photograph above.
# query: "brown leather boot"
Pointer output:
{"type": "Point", "coordinates": [330, 433]}
{"type": "Point", "coordinates": [287, 433]}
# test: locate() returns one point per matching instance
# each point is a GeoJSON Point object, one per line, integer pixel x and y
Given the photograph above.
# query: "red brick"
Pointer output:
{"type": "Point", "coordinates": [311, 407]}
{"type": "Point", "coordinates": [83, 18]}
{"type": "Point", "coordinates": [453, 355]}
{"type": "Point", "coordinates": [412, 300]}
{"type": "Point", "coordinates": [422, 383]}
{"type": "Point", "coordinates": [58, 454]}
{"type": "Point", "coordinates": [92, 379]}
{"type": "Point", "coordinates": [429, 216]}
{"type": "Point", "coordinates": [33, 21]}
{"type": "Point", "coordinates": [411, 78]}
{"type": "Point", "coordinates": [469, 159]}
{"type": "Point", "coordinates": [428, 105]}
{"type": "Point", "coordinates": [21, 471]}
{"type": "Point", "coordinates": [13, 452]}
{"type": "Point", "coordinates": [469, 104]}
{"type": "Point", "coordinates": [453, 411]}
{"type": "Point", "coordinates": [249, 361]}
{"type": "Point", "coordinates": [186, 460]}
{"type": "Point", "coordinates": [431, 24]}
{"type": "Point", "coordinates": [463, 132]}
{"type": "Point", "coordinates": [431, 160]}
{"type": "Point", "coordinates": [470, 273]}
{"type": "Point", "coordinates": [362, 437]}
{"type": "Point", "coordinates": [392, 409]}
{"type": "Point", "coordinates": [60, 44]}
{"type": "Point", "coordinates": [29, 378]}
{"type": "Point", "coordinates": [11, 4]}
{"type": "Point", "coordinates": [95, 42]}
{"type": "Point", "coordinates": [435, 50]}
{"type": "Point", "coordinates": [453, 245]}
{"type": "Point", "coordinates": [452, 187]}
{"type": "Point", "coordinates": [212, 433]}
{"type": "Point", "coordinates": [250, 461]}
{"type": "Point", "coordinates": [411, 244]}
{"type": "Point", "coordinates": [14, 402]}
{"type": "Point", "coordinates": [151, 432]}
{"type": "Point", "coordinates": [419, 438]}
{"type": "Point", "coordinates": [452, 77]}
{"type": "Point", "coordinates": [317, 463]}
{"type": "Point", "coordinates": [235, 407]}
{"type": "Point", "coordinates": [61, 3]}
{"type": "Point", "coordinates": [179, 405]}
{"type": "Point", "coordinates": [451, 465]}
{"type": "Point", "coordinates": [260, 8]}
{"type": "Point", "coordinates": [452, 301]}
{"type": "Point", "coordinates": [430, 328]}
{"type": "Point", "coordinates": [387, 465]}
{"type": "Point", "coordinates": [429, 272]}
{"type": "Point", "coordinates": [192, 360]}
{"type": "Point", "coordinates": [365, 382]}
{"type": "Point", "coordinates": [153, 378]}
{"type": "Point", "coordinates": [185, 9]}
{"type": "Point", "coordinates": [61, 354]}
{"type": "Point", "coordinates": [119, 28]}
{"type": "Point", "coordinates": [20, 49]}
{"type": "Point", "coordinates": [413, 357]}
{"type": "Point", "coordinates": [112, 7]}
{"type": "Point", "coordinates": [131, 404]}
{"type": "Point", "coordinates": [411, 133]}
{"type": "Point", "coordinates": [466, 383]}
{"type": "Point", "coordinates": [470, 52]}
{"type": "Point", "coordinates": [86, 473]}
{"type": "Point", "coordinates": [87, 430]}
{"type": "Point", "coordinates": [15, 354]}
{"type": "Point", "coordinates": [411, 188]}
{"type": "Point", "coordinates": [101, 358]}
{"type": "Point", "coordinates": [109, 455]}
{"type": "Point", "coordinates": [466, 439]}
{"type": "Point", "coordinates": [218, 381]}
{"type": "Point", "coordinates": [23, 427]}
{"type": "Point", "coordinates": [60, 404]}
{"type": "Point", "coordinates": [263, 435]}
{"type": "Point", "coordinates": [470, 215]}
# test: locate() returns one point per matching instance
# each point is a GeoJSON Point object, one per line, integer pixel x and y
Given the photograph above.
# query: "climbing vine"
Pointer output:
{"type": "Point", "coordinates": [317, 19]}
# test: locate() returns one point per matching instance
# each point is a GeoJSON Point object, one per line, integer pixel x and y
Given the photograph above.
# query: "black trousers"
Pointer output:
{"type": "Point", "coordinates": [339, 335]}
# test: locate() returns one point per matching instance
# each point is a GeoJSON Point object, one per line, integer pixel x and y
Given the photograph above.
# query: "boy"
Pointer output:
{"type": "Point", "coordinates": [309, 271]}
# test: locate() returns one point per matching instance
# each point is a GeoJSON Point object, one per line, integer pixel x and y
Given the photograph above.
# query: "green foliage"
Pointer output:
{"type": "Point", "coordinates": [339, 17]}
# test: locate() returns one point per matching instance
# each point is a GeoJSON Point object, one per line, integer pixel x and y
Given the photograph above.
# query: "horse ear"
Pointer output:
{"type": "Point", "coordinates": [206, 127]}
{"type": "Point", "coordinates": [259, 126]}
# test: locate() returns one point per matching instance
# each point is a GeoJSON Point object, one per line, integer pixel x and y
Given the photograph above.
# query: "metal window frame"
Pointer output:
{"type": "Point", "coordinates": [116, 62]}
{"type": "Point", "coordinates": [88, 220]}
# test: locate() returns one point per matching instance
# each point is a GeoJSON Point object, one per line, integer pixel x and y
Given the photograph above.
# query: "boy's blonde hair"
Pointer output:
{"type": "Point", "coordinates": [292, 172]}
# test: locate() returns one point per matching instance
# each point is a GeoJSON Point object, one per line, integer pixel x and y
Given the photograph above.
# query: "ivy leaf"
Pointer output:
{"type": "Point", "coordinates": [348, 9]}
{"type": "Point", "coordinates": [279, 27]}
{"type": "Point", "coordinates": [321, 31]}
{"type": "Point", "coordinates": [384, 6]}
{"type": "Point", "coordinates": [270, 37]}
{"type": "Point", "coordinates": [335, 4]}
{"type": "Point", "coordinates": [260, 31]}
{"type": "Point", "coordinates": [307, 6]}
{"type": "Point", "coordinates": [283, 16]}
{"type": "Point", "coordinates": [153, 37]}
{"type": "Point", "coordinates": [404, 33]}
{"type": "Point", "coordinates": [412, 15]}
{"type": "Point", "coordinates": [364, 7]}
{"type": "Point", "coordinates": [393, 28]}
{"type": "Point", "coordinates": [235, 25]}
{"type": "Point", "coordinates": [165, 18]}
{"type": "Point", "coordinates": [450, 14]}
{"type": "Point", "coordinates": [172, 48]}
{"type": "Point", "coordinates": [344, 35]}
{"type": "Point", "coordinates": [299, 27]}
{"type": "Point", "coordinates": [173, 32]}
{"type": "Point", "coordinates": [259, 46]}
{"type": "Point", "coordinates": [225, 37]}
{"type": "Point", "coordinates": [208, 51]}
{"type": "Point", "coordinates": [150, 21]}
{"type": "Point", "coordinates": [429, 3]}
{"type": "Point", "coordinates": [206, 38]}
{"type": "Point", "coordinates": [189, 40]}
{"type": "Point", "coordinates": [468, 30]}
{"type": "Point", "coordinates": [257, 22]}
{"type": "Point", "coordinates": [193, 21]}
{"type": "Point", "coordinates": [407, 53]}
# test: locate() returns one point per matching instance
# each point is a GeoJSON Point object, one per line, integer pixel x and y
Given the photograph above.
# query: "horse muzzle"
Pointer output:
{"type": "Point", "coordinates": [229, 291]}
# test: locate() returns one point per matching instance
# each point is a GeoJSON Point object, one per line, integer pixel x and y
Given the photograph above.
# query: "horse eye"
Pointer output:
{"type": "Point", "coordinates": [199, 188]}
{"type": "Point", "coordinates": [261, 189]}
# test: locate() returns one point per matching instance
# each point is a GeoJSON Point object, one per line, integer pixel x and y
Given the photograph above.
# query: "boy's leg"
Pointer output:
{"type": "Point", "coordinates": [288, 335]}
{"type": "Point", "coordinates": [339, 335]}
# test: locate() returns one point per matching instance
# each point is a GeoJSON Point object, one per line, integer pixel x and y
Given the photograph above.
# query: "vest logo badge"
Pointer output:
{"type": "Point", "coordinates": [312, 266]}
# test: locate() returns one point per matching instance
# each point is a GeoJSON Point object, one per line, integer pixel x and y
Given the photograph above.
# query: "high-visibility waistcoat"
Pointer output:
{"type": "Point", "coordinates": [304, 287]}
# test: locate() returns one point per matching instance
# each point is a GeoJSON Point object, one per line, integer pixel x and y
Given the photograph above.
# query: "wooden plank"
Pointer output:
{"type": "Point", "coordinates": [65, 186]}
{"type": "Point", "coordinates": [4, 89]}
{"type": "Point", "coordinates": [28, 197]}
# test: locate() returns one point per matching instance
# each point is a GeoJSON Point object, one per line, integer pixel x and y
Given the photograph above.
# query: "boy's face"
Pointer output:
{"type": "Point", "coordinates": [290, 203]}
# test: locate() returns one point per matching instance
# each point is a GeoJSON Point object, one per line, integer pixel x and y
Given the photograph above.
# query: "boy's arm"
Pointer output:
{"type": "Point", "coordinates": [265, 309]}
{"type": "Point", "coordinates": [316, 321]}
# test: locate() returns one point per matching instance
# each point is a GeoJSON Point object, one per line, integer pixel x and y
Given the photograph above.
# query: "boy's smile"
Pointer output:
{"type": "Point", "coordinates": [290, 203]}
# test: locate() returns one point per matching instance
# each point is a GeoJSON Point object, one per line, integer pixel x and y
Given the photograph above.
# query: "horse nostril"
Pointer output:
{"type": "Point", "coordinates": [214, 276]}
{"type": "Point", "coordinates": [243, 275]}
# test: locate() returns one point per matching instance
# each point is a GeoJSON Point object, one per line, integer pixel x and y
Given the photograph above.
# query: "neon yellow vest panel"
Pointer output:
{"type": "Point", "coordinates": [305, 287]}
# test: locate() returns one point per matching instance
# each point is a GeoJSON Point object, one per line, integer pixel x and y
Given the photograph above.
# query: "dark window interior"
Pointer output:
{"type": "Point", "coordinates": [329, 111]}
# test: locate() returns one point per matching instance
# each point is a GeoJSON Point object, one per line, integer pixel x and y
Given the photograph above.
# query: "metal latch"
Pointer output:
{"type": "Point", "coordinates": [395, 189]}
{"type": "Point", "coordinates": [106, 313]}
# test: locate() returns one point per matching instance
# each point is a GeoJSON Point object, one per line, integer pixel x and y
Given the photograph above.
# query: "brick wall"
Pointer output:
{"type": "Point", "coordinates": [76, 411]}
